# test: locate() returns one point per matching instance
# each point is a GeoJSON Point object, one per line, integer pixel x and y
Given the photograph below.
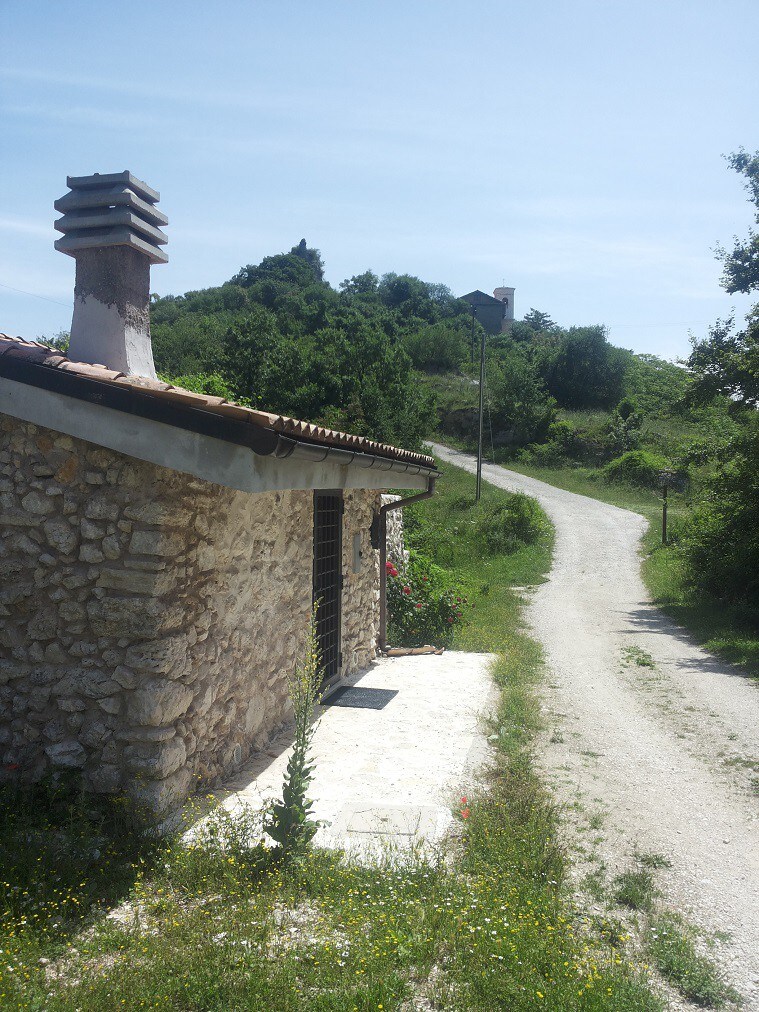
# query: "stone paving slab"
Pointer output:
{"type": "Point", "coordinates": [389, 777]}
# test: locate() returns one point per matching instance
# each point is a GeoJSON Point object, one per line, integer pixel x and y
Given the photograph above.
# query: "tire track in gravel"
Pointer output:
{"type": "Point", "coordinates": [665, 751]}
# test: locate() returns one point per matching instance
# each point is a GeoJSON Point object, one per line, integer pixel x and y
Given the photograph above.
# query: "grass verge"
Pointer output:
{"type": "Point", "coordinates": [95, 917]}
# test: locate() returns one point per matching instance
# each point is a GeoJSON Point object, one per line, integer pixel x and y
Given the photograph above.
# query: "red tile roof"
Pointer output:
{"type": "Point", "coordinates": [46, 358]}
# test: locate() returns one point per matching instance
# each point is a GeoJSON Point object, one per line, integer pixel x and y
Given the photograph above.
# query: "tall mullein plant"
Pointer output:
{"type": "Point", "coordinates": [289, 822]}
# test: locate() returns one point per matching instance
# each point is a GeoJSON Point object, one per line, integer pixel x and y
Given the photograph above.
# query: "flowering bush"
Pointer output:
{"type": "Point", "coordinates": [421, 607]}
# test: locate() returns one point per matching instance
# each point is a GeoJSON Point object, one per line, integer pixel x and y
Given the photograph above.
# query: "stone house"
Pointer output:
{"type": "Point", "coordinates": [160, 550]}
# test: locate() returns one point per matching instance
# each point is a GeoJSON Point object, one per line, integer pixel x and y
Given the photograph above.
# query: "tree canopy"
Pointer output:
{"type": "Point", "coordinates": [727, 361]}
{"type": "Point", "coordinates": [277, 335]}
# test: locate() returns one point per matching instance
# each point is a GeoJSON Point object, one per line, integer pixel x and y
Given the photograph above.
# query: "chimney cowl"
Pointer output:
{"type": "Point", "coordinates": [111, 227]}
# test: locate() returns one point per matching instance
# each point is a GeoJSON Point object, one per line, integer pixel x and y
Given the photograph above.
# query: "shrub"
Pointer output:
{"type": "Point", "coordinates": [623, 428]}
{"type": "Point", "coordinates": [720, 539]}
{"type": "Point", "coordinates": [637, 467]}
{"type": "Point", "coordinates": [422, 606]}
{"type": "Point", "coordinates": [520, 409]}
{"type": "Point", "coordinates": [506, 528]}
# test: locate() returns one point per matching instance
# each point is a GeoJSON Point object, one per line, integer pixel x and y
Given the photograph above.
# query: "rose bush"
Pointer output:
{"type": "Point", "coordinates": [422, 607]}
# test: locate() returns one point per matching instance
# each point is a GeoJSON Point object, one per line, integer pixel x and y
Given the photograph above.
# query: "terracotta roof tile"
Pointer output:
{"type": "Point", "coordinates": [142, 383]}
{"type": "Point", "coordinates": [97, 372]}
{"type": "Point", "coordinates": [45, 357]}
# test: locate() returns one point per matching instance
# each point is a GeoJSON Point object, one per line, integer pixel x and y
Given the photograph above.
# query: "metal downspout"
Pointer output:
{"type": "Point", "coordinates": [384, 510]}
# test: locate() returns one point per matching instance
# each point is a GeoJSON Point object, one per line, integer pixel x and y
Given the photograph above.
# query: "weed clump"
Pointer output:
{"type": "Point", "coordinates": [289, 822]}
{"type": "Point", "coordinates": [634, 889]}
{"type": "Point", "coordinates": [671, 947]}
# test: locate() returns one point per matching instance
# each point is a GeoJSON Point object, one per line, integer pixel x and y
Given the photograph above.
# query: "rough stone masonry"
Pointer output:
{"type": "Point", "coordinates": [149, 619]}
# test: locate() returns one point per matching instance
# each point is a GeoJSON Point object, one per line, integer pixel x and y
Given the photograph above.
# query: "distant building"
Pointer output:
{"type": "Point", "coordinates": [506, 297]}
{"type": "Point", "coordinates": [495, 312]}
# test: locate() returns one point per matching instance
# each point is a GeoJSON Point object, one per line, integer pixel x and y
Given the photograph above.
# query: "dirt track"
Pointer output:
{"type": "Point", "coordinates": [661, 756]}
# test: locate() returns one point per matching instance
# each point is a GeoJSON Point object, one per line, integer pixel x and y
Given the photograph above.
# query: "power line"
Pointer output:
{"type": "Point", "coordinates": [34, 295]}
{"type": "Point", "coordinates": [685, 323]}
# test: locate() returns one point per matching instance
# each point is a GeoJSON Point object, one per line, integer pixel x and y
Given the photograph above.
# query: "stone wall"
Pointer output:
{"type": "Point", "coordinates": [148, 620]}
{"type": "Point", "coordinates": [394, 535]}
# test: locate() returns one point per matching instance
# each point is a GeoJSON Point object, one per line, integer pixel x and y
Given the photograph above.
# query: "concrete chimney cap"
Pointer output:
{"type": "Point", "coordinates": [103, 179]}
{"type": "Point", "coordinates": [111, 209]}
{"type": "Point", "coordinates": [110, 227]}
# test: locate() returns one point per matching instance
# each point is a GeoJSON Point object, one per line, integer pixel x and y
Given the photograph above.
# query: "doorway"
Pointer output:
{"type": "Point", "coordinates": [328, 580]}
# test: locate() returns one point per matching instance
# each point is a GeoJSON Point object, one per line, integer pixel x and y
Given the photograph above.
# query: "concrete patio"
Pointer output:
{"type": "Point", "coordinates": [388, 778]}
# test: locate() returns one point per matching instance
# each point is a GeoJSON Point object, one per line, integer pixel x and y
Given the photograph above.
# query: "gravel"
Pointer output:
{"type": "Point", "coordinates": [661, 755]}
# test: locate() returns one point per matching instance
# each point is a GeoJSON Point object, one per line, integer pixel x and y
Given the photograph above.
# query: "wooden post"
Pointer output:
{"type": "Point", "coordinates": [664, 518]}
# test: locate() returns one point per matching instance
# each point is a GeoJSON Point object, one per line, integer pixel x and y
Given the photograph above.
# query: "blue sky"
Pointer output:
{"type": "Point", "coordinates": [572, 150]}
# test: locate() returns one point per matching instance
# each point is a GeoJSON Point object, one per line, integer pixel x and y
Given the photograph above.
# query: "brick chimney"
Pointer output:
{"type": "Point", "coordinates": [110, 225]}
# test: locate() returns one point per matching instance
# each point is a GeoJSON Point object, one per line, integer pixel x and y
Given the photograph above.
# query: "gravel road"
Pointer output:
{"type": "Point", "coordinates": [658, 759]}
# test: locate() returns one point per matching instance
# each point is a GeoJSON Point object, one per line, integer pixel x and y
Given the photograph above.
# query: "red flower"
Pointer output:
{"type": "Point", "coordinates": [419, 604]}
{"type": "Point", "coordinates": [407, 590]}
{"type": "Point", "coordinates": [464, 813]}
{"type": "Point", "coordinates": [464, 801]}
{"type": "Point", "coordinates": [389, 567]}
{"type": "Point", "coordinates": [450, 618]}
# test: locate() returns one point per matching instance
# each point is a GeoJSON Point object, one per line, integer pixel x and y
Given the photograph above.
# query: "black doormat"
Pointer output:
{"type": "Point", "coordinates": [364, 699]}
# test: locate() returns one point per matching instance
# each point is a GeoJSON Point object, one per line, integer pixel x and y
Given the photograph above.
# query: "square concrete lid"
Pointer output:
{"type": "Point", "coordinates": [100, 179]}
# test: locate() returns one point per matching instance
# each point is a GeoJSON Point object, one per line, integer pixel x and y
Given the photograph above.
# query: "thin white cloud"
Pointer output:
{"type": "Point", "coordinates": [269, 101]}
{"type": "Point", "coordinates": [80, 114]}
{"type": "Point", "coordinates": [25, 226]}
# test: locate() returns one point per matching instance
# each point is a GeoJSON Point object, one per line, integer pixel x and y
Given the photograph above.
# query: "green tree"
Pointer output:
{"type": "Point", "coordinates": [300, 267]}
{"type": "Point", "coordinates": [538, 321]}
{"type": "Point", "coordinates": [581, 369]}
{"type": "Point", "coordinates": [522, 409]}
{"type": "Point", "coordinates": [360, 284]}
{"type": "Point", "coordinates": [741, 264]}
{"type": "Point", "coordinates": [727, 361]}
{"type": "Point", "coordinates": [721, 543]}
{"type": "Point", "coordinates": [439, 347]}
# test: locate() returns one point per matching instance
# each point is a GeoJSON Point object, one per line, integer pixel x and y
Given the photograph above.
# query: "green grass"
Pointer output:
{"type": "Point", "coordinates": [634, 889]}
{"type": "Point", "coordinates": [731, 631]}
{"type": "Point", "coordinates": [636, 655]}
{"type": "Point", "coordinates": [670, 944]}
{"type": "Point", "coordinates": [445, 527]}
{"type": "Point", "coordinates": [653, 860]}
{"type": "Point", "coordinates": [219, 926]}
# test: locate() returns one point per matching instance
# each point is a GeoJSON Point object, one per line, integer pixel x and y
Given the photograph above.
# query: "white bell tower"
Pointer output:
{"type": "Point", "coordinates": [506, 296]}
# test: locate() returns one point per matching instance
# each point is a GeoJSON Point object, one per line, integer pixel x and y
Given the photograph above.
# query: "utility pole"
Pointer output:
{"type": "Point", "coordinates": [471, 339]}
{"type": "Point", "coordinates": [479, 438]}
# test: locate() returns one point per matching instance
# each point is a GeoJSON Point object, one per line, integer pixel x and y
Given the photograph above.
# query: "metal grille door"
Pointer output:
{"type": "Point", "coordinates": [328, 578]}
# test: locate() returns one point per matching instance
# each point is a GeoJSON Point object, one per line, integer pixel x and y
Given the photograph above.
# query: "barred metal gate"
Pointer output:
{"type": "Point", "coordinates": [328, 579]}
